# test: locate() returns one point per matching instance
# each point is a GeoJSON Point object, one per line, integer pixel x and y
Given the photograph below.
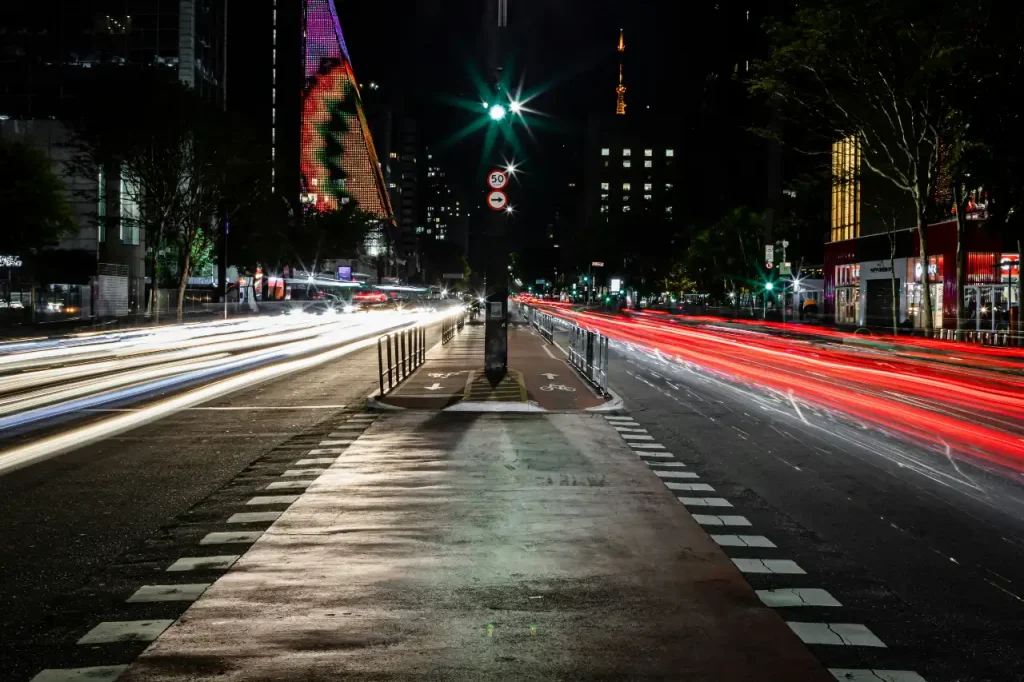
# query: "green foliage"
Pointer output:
{"type": "Point", "coordinates": [33, 200]}
{"type": "Point", "coordinates": [324, 235]}
{"type": "Point", "coordinates": [727, 253]}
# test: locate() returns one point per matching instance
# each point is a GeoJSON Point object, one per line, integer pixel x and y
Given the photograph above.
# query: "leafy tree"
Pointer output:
{"type": "Point", "coordinates": [877, 71]}
{"type": "Point", "coordinates": [727, 253]}
{"type": "Point", "coordinates": [323, 235]}
{"type": "Point", "coordinates": [33, 200]}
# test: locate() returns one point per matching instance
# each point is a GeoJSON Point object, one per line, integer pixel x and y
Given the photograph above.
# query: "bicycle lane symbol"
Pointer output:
{"type": "Point", "coordinates": [557, 387]}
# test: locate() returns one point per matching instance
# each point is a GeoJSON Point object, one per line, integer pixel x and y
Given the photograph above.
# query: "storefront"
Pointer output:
{"type": "Point", "coordinates": [881, 292]}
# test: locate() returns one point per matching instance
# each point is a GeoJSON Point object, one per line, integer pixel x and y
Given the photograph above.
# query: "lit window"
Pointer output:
{"type": "Point", "coordinates": [606, 151]}
{"type": "Point", "coordinates": [668, 186]}
{"type": "Point", "coordinates": [627, 163]}
{"type": "Point", "coordinates": [647, 197]}
{"type": "Point", "coordinates": [604, 197]}
{"type": "Point", "coordinates": [604, 185]}
{"type": "Point", "coordinates": [604, 209]}
{"type": "Point", "coordinates": [625, 187]}
{"type": "Point", "coordinates": [627, 152]}
{"type": "Point", "coordinates": [625, 209]}
{"type": "Point", "coordinates": [393, 155]}
{"type": "Point", "coordinates": [647, 187]}
{"type": "Point", "coordinates": [625, 198]}
{"type": "Point", "coordinates": [647, 163]}
{"type": "Point", "coordinates": [648, 152]}
{"type": "Point", "coordinates": [668, 209]}
{"type": "Point", "coordinates": [670, 152]}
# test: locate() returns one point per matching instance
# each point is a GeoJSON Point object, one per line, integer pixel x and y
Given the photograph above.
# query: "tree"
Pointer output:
{"type": "Point", "coordinates": [323, 235]}
{"type": "Point", "coordinates": [878, 72]}
{"type": "Point", "coordinates": [33, 200]}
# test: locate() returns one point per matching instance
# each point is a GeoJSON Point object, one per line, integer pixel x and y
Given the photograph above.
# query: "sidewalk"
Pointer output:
{"type": "Point", "coordinates": [470, 547]}
{"type": "Point", "coordinates": [539, 377]}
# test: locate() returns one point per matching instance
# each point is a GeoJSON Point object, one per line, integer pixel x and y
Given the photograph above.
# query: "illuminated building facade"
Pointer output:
{"type": "Point", "coordinates": [337, 159]}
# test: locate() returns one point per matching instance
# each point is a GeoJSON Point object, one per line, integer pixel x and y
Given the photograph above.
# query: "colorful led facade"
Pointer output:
{"type": "Point", "coordinates": [337, 160]}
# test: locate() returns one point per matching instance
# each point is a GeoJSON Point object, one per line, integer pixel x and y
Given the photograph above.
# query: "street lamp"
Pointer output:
{"type": "Point", "coordinates": [496, 112]}
{"type": "Point", "coordinates": [516, 107]}
{"type": "Point", "coordinates": [768, 286]}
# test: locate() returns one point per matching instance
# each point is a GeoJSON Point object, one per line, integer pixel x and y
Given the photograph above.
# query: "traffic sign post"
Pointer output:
{"type": "Point", "coordinates": [496, 276]}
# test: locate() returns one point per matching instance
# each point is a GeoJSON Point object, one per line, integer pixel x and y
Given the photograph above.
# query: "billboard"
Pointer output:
{"type": "Point", "coordinates": [344, 273]}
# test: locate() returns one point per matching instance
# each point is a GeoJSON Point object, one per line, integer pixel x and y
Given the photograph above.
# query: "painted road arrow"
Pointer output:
{"type": "Point", "coordinates": [549, 376]}
{"type": "Point", "coordinates": [434, 387]}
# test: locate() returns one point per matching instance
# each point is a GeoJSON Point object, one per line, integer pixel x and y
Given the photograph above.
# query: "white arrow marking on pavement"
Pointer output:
{"type": "Point", "coordinates": [549, 376]}
{"type": "Point", "coordinates": [434, 387]}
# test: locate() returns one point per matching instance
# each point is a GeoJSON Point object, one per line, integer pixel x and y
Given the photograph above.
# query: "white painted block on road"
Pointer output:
{"type": "Point", "coordinates": [204, 563]}
{"type": "Point", "coordinates": [691, 487]}
{"type": "Point", "coordinates": [616, 417]}
{"type": "Point", "coordinates": [839, 634]}
{"type": "Point", "coordinates": [636, 436]}
{"type": "Point", "coordinates": [628, 429]}
{"type": "Point", "coordinates": [254, 517]}
{"type": "Point", "coordinates": [271, 499]}
{"type": "Point", "coordinates": [230, 538]}
{"type": "Point", "coordinates": [291, 485]}
{"type": "Point", "coordinates": [705, 501]}
{"type": "Point", "coordinates": [743, 541]}
{"type": "Point", "coordinates": [327, 451]}
{"type": "Point", "coordinates": [657, 455]}
{"type": "Point", "coordinates": [362, 418]}
{"type": "Point", "coordinates": [647, 446]}
{"type": "Point", "coordinates": [847, 675]}
{"type": "Point", "coordinates": [796, 596]}
{"type": "Point", "coordinates": [778, 566]}
{"type": "Point", "coordinates": [188, 592]}
{"type": "Point", "coordinates": [712, 520]}
{"type": "Point", "coordinates": [675, 474]}
{"type": "Point", "coordinates": [98, 673]}
{"type": "Point", "coordinates": [111, 631]}
{"type": "Point", "coordinates": [316, 460]}
{"type": "Point", "coordinates": [303, 472]}
{"type": "Point", "coordinates": [337, 443]}
{"type": "Point", "coordinates": [662, 465]}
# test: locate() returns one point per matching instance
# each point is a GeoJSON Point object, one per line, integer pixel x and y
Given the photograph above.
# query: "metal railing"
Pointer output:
{"type": "Point", "coordinates": [985, 338]}
{"type": "Point", "coordinates": [452, 324]}
{"type": "Point", "coordinates": [588, 352]}
{"type": "Point", "coordinates": [404, 351]}
{"type": "Point", "coordinates": [543, 323]}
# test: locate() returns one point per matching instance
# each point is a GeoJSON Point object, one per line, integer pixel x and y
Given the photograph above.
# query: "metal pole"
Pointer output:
{"type": "Point", "coordinates": [227, 230]}
{"type": "Point", "coordinates": [380, 367]}
{"type": "Point", "coordinates": [390, 384]}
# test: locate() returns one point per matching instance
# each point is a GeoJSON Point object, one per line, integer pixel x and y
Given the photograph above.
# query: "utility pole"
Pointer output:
{"type": "Point", "coordinates": [496, 272]}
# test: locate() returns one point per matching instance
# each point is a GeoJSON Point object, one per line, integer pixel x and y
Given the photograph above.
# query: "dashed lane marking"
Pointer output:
{"type": "Point", "coordinates": [838, 634]}
{"type": "Point", "coordinates": [150, 593]}
{"type": "Point", "coordinates": [204, 563]}
{"type": "Point", "coordinates": [627, 429]}
{"type": "Point", "coordinates": [271, 499]}
{"type": "Point", "coordinates": [254, 517]}
{"type": "Point", "coordinates": [636, 436]}
{"type": "Point", "coordinates": [316, 460]}
{"type": "Point", "coordinates": [743, 541]}
{"type": "Point", "coordinates": [98, 673]}
{"type": "Point", "coordinates": [616, 418]}
{"type": "Point", "coordinates": [777, 566]}
{"type": "Point", "coordinates": [675, 474]}
{"type": "Point", "coordinates": [662, 455]}
{"type": "Point", "coordinates": [705, 502]}
{"type": "Point", "coordinates": [847, 675]}
{"type": "Point", "coordinates": [796, 596]}
{"type": "Point", "coordinates": [647, 446]}
{"type": "Point", "coordinates": [690, 487]}
{"type": "Point", "coordinates": [231, 538]}
{"type": "Point", "coordinates": [122, 631]}
{"type": "Point", "coordinates": [713, 520]}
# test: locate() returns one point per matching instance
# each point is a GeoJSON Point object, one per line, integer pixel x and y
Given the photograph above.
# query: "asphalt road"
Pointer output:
{"type": "Point", "coordinates": [925, 550]}
{"type": "Point", "coordinates": [67, 520]}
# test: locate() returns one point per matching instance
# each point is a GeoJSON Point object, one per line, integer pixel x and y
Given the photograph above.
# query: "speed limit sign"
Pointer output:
{"type": "Point", "coordinates": [497, 179]}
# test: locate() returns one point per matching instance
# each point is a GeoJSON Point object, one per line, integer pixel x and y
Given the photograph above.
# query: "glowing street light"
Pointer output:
{"type": "Point", "coordinates": [509, 209]}
{"type": "Point", "coordinates": [768, 286]}
{"type": "Point", "coordinates": [497, 112]}
{"type": "Point", "coordinates": [516, 106]}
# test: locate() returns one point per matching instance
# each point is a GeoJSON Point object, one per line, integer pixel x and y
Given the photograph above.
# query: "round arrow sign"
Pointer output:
{"type": "Point", "coordinates": [497, 200]}
{"type": "Point", "coordinates": [497, 179]}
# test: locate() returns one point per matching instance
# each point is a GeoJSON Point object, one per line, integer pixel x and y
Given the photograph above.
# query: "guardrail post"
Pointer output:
{"type": "Point", "coordinates": [380, 366]}
{"type": "Point", "coordinates": [390, 384]}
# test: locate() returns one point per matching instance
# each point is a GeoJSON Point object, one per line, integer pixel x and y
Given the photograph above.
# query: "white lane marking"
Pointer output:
{"type": "Point", "coordinates": [148, 593]}
{"type": "Point", "coordinates": [660, 455]}
{"type": "Point", "coordinates": [796, 596]}
{"type": "Point", "coordinates": [618, 418]}
{"type": "Point", "coordinates": [367, 418]}
{"type": "Point", "coordinates": [705, 501]}
{"type": "Point", "coordinates": [675, 474]}
{"type": "Point", "coordinates": [204, 563]}
{"type": "Point", "coordinates": [271, 499]}
{"type": "Point", "coordinates": [743, 541]}
{"type": "Point", "coordinates": [285, 485]}
{"type": "Point", "coordinates": [125, 631]}
{"type": "Point", "coordinates": [712, 520]}
{"type": "Point", "coordinates": [97, 673]}
{"type": "Point", "coordinates": [231, 538]}
{"type": "Point", "coordinates": [316, 460]}
{"type": "Point", "coordinates": [330, 443]}
{"type": "Point", "coordinates": [617, 425]}
{"type": "Point", "coordinates": [272, 407]}
{"type": "Point", "coordinates": [690, 487]}
{"type": "Point", "coordinates": [303, 472]}
{"type": "Point", "coordinates": [327, 451]}
{"type": "Point", "coordinates": [661, 465]}
{"type": "Point", "coordinates": [254, 517]}
{"type": "Point", "coordinates": [622, 429]}
{"type": "Point", "coordinates": [779, 566]}
{"type": "Point", "coordinates": [636, 436]}
{"type": "Point", "coordinates": [647, 446]}
{"type": "Point", "coordinates": [550, 354]}
{"type": "Point", "coordinates": [559, 347]}
{"type": "Point", "coordinates": [840, 634]}
{"type": "Point", "coordinates": [850, 675]}
{"type": "Point", "coordinates": [797, 408]}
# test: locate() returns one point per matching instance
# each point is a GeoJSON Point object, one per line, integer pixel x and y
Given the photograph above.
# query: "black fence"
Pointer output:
{"type": "Point", "coordinates": [452, 324]}
{"type": "Point", "coordinates": [403, 351]}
